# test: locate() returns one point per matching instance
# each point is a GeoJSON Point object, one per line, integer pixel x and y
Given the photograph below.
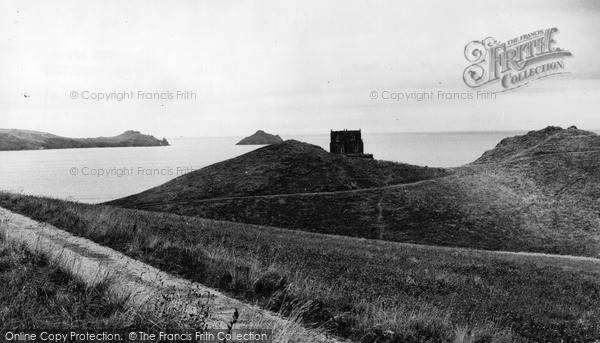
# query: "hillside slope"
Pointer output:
{"type": "Point", "coordinates": [539, 192]}
{"type": "Point", "coordinates": [14, 139]}
{"type": "Point", "coordinates": [290, 167]}
{"type": "Point", "coordinates": [551, 140]}
{"type": "Point", "coordinates": [369, 291]}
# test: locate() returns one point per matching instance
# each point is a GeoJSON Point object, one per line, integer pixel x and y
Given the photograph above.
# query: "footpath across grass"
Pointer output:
{"type": "Point", "coordinates": [365, 290]}
{"type": "Point", "coordinates": [36, 294]}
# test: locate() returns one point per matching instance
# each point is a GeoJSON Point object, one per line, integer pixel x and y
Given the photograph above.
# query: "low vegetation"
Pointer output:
{"type": "Point", "coordinates": [366, 290]}
{"type": "Point", "coordinates": [37, 294]}
{"type": "Point", "coordinates": [538, 193]}
{"type": "Point", "coordinates": [291, 167]}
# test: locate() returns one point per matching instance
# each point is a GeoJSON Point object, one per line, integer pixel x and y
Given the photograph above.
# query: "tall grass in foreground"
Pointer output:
{"type": "Point", "coordinates": [369, 291]}
{"type": "Point", "coordinates": [37, 294]}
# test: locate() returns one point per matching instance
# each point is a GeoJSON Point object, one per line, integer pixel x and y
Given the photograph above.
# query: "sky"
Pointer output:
{"type": "Point", "coordinates": [301, 67]}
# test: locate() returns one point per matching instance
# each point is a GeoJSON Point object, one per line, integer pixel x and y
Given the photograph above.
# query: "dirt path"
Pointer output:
{"type": "Point", "coordinates": [472, 165]}
{"type": "Point", "coordinates": [143, 285]}
{"type": "Point", "coordinates": [380, 226]}
{"type": "Point", "coordinates": [284, 195]}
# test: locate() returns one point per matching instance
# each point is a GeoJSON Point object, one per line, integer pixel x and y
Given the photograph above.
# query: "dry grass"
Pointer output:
{"type": "Point", "coordinates": [35, 293]}
{"type": "Point", "coordinates": [537, 192]}
{"type": "Point", "coordinates": [372, 291]}
{"type": "Point", "coordinates": [545, 206]}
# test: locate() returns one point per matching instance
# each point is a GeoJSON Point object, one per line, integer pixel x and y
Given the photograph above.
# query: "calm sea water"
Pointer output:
{"type": "Point", "coordinates": [102, 174]}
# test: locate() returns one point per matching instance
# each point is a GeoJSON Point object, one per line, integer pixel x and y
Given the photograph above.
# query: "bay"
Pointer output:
{"type": "Point", "coordinates": [101, 174]}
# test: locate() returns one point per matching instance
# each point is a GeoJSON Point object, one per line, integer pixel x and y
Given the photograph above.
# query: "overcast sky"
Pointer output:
{"type": "Point", "coordinates": [281, 66]}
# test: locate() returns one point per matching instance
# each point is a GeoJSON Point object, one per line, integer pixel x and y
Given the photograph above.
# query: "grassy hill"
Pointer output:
{"type": "Point", "coordinates": [291, 167]}
{"type": "Point", "coordinates": [366, 290]}
{"type": "Point", "coordinates": [13, 139]}
{"type": "Point", "coordinates": [538, 192]}
{"type": "Point", "coordinates": [551, 140]}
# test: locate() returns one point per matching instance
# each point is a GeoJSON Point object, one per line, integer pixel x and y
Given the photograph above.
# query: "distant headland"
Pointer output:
{"type": "Point", "coordinates": [261, 137]}
{"type": "Point", "coordinates": [15, 139]}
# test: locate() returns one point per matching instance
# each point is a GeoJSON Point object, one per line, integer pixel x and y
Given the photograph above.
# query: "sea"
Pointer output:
{"type": "Point", "coordinates": [101, 174]}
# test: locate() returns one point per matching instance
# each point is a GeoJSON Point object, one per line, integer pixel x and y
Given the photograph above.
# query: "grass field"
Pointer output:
{"type": "Point", "coordinates": [537, 192]}
{"type": "Point", "coordinates": [498, 208]}
{"type": "Point", "coordinates": [37, 294]}
{"type": "Point", "coordinates": [366, 290]}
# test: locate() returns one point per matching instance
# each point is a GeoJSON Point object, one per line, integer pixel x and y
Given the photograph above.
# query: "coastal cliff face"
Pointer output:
{"type": "Point", "coordinates": [260, 138]}
{"type": "Point", "coordinates": [14, 139]}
